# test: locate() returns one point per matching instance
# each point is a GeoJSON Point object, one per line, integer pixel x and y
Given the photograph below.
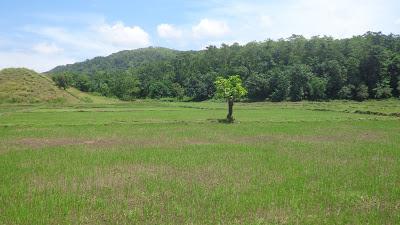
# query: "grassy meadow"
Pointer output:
{"type": "Point", "coordinates": [153, 162]}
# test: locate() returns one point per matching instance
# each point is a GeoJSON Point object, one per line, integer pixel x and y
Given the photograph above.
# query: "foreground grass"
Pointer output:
{"type": "Point", "coordinates": [173, 163]}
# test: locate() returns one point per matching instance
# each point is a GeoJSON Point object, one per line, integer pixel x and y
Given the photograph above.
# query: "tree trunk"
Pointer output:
{"type": "Point", "coordinates": [230, 111]}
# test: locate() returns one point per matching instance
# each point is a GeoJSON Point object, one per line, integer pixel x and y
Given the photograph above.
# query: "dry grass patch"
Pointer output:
{"type": "Point", "coordinates": [338, 137]}
{"type": "Point", "coordinates": [113, 177]}
{"type": "Point", "coordinates": [121, 176]}
{"type": "Point", "coordinates": [98, 143]}
{"type": "Point", "coordinates": [272, 215]}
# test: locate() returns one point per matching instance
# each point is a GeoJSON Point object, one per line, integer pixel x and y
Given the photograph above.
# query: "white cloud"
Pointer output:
{"type": "Point", "coordinates": [46, 48]}
{"type": "Point", "coordinates": [208, 28]}
{"type": "Point", "coordinates": [81, 40]}
{"type": "Point", "coordinates": [169, 31]}
{"type": "Point", "coordinates": [124, 36]}
{"type": "Point", "coordinates": [260, 19]}
{"type": "Point", "coordinates": [98, 39]}
{"type": "Point", "coordinates": [101, 38]}
{"type": "Point", "coordinates": [340, 18]}
{"type": "Point", "coordinates": [397, 21]}
{"type": "Point", "coordinates": [36, 61]}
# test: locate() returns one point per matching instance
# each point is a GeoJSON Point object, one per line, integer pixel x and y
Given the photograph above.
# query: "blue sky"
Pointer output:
{"type": "Point", "coordinates": [41, 34]}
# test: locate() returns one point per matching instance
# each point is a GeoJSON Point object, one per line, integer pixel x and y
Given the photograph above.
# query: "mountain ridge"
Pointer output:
{"type": "Point", "coordinates": [131, 58]}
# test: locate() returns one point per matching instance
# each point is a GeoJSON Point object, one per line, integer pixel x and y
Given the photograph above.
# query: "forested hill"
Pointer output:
{"type": "Point", "coordinates": [119, 61]}
{"type": "Point", "coordinates": [296, 68]}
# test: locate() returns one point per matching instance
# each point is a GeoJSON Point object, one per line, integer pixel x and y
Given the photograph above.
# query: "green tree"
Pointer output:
{"type": "Point", "coordinates": [159, 89]}
{"type": "Point", "coordinates": [362, 93]}
{"type": "Point", "coordinates": [279, 84]}
{"type": "Point", "coordinates": [62, 80]}
{"type": "Point", "coordinates": [299, 82]}
{"type": "Point", "coordinates": [398, 85]}
{"type": "Point", "coordinates": [104, 89]}
{"type": "Point", "coordinates": [257, 85]}
{"type": "Point", "coordinates": [130, 87]}
{"type": "Point", "coordinates": [394, 73]}
{"type": "Point", "coordinates": [317, 88]}
{"type": "Point", "coordinates": [336, 76]}
{"type": "Point", "coordinates": [201, 87]}
{"type": "Point", "coordinates": [232, 90]}
{"type": "Point", "coordinates": [177, 91]}
{"type": "Point", "coordinates": [347, 92]}
{"type": "Point", "coordinates": [383, 90]}
{"type": "Point", "coordinates": [82, 82]}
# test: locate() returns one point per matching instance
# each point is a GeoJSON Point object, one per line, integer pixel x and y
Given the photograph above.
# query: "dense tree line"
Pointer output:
{"type": "Point", "coordinates": [296, 68]}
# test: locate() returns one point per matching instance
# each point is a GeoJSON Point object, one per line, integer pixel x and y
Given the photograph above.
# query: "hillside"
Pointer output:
{"type": "Point", "coordinates": [320, 68]}
{"type": "Point", "coordinates": [19, 85]}
{"type": "Point", "coordinates": [119, 61]}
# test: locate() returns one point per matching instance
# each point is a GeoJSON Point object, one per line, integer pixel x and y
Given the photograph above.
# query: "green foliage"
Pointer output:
{"type": "Point", "coordinates": [362, 93]}
{"type": "Point", "coordinates": [335, 75]}
{"type": "Point", "coordinates": [230, 88]}
{"type": "Point", "coordinates": [316, 68]}
{"type": "Point", "coordinates": [383, 90]}
{"type": "Point", "coordinates": [158, 89]}
{"type": "Point", "coordinates": [347, 92]}
{"type": "Point", "coordinates": [62, 80]}
{"type": "Point", "coordinates": [178, 91]}
{"type": "Point", "coordinates": [200, 87]}
{"type": "Point", "coordinates": [299, 82]}
{"type": "Point", "coordinates": [126, 87]}
{"type": "Point", "coordinates": [317, 88]}
{"type": "Point", "coordinates": [81, 82]}
{"type": "Point", "coordinates": [257, 86]}
{"type": "Point", "coordinates": [279, 84]}
{"type": "Point", "coordinates": [104, 89]}
{"type": "Point", "coordinates": [120, 61]}
{"type": "Point", "coordinates": [398, 86]}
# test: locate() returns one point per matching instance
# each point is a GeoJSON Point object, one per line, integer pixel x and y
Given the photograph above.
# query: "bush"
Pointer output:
{"type": "Point", "coordinates": [158, 90]}
{"type": "Point", "coordinates": [317, 88]}
{"type": "Point", "coordinates": [299, 82]}
{"type": "Point", "coordinates": [362, 93]}
{"type": "Point", "coordinates": [347, 92]}
{"type": "Point", "coordinates": [62, 80]}
{"type": "Point", "coordinates": [280, 86]}
{"type": "Point", "coordinates": [257, 84]}
{"type": "Point", "coordinates": [383, 90]}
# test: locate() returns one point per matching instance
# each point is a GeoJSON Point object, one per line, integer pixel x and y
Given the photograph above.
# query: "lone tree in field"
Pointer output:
{"type": "Point", "coordinates": [230, 89]}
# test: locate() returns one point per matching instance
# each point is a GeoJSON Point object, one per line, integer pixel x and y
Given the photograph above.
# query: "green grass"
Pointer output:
{"type": "Point", "coordinates": [23, 86]}
{"type": "Point", "coordinates": [153, 162]}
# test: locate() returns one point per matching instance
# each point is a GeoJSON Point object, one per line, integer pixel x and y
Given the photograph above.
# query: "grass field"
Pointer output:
{"type": "Point", "coordinates": [174, 163]}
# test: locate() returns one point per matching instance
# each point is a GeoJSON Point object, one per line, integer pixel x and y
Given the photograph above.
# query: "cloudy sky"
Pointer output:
{"type": "Point", "coordinates": [41, 34]}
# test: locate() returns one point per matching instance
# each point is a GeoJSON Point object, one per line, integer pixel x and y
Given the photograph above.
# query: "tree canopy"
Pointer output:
{"type": "Point", "coordinates": [296, 68]}
{"type": "Point", "coordinates": [230, 88]}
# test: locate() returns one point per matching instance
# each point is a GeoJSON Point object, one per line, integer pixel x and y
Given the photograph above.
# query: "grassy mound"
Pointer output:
{"type": "Point", "coordinates": [20, 85]}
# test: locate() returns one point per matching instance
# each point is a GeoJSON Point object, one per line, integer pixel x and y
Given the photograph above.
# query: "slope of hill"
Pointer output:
{"type": "Point", "coordinates": [26, 86]}
{"type": "Point", "coordinates": [119, 61]}
{"type": "Point", "coordinates": [19, 85]}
